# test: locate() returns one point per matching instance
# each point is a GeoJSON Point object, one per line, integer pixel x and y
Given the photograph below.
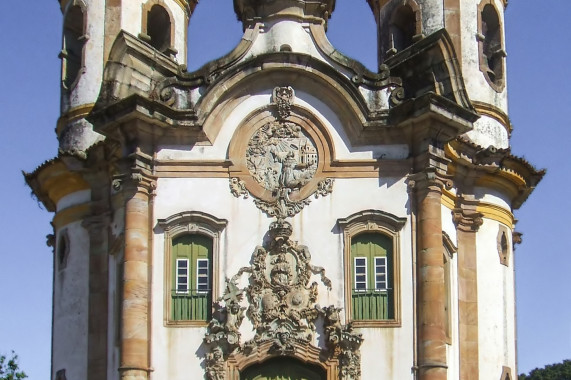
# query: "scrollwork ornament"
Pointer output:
{"type": "Point", "coordinates": [397, 96]}
{"type": "Point", "coordinates": [324, 187]}
{"type": "Point", "coordinates": [238, 188]}
{"type": "Point", "coordinates": [283, 98]}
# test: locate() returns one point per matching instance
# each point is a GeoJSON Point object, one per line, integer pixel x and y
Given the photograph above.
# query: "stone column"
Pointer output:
{"type": "Point", "coordinates": [467, 222]}
{"type": "Point", "coordinates": [431, 292]}
{"type": "Point", "coordinates": [136, 286]}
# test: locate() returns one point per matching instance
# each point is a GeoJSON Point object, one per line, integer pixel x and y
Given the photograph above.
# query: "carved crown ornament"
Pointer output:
{"type": "Point", "coordinates": [280, 160]}
{"type": "Point", "coordinates": [279, 300]}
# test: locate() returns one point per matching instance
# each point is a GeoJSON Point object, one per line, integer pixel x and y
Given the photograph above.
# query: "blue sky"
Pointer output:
{"type": "Point", "coordinates": [538, 42]}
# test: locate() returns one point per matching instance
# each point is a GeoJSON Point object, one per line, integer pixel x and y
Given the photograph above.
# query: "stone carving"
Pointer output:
{"type": "Point", "coordinates": [283, 98]}
{"type": "Point", "coordinates": [282, 309]}
{"type": "Point", "coordinates": [344, 343]}
{"type": "Point", "coordinates": [238, 188]}
{"type": "Point", "coordinates": [282, 302]}
{"type": "Point", "coordinates": [324, 187]}
{"type": "Point", "coordinates": [281, 156]}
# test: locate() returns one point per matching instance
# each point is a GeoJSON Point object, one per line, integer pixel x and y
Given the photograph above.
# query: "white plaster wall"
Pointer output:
{"type": "Point", "coordinates": [432, 15]}
{"type": "Point", "coordinates": [177, 352]}
{"type": "Point", "coordinates": [70, 308]}
{"type": "Point", "coordinates": [327, 116]}
{"type": "Point", "coordinates": [276, 33]}
{"type": "Point", "coordinates": [494, 197]}
{"type": "Point", "coordinates": [486, 131]}
{"type": "Point", "coordinates": [89, 82]}
{"type": "Point", "coordinates": [496, 305]}
{"type": "Point", "coordinates": [74, 199]}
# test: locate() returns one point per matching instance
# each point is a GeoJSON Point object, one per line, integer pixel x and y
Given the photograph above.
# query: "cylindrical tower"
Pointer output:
{"type": "Point", "coordinates": [83, 334]}
{"type": "Point", "coordinates": [476, 28]}
{"type": "Point", "coordinates": [89, 30]}
{"type": "Point", "coordinates": [475, 32]}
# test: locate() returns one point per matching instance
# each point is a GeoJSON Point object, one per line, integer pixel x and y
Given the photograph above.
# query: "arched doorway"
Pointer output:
{"type": "Point", "coordinates": [283, 369]}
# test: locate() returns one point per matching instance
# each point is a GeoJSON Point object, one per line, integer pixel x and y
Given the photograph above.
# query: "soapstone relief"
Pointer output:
{"type": "Point", "coordinates": [281, 155]}
{"type": "Point", "coordinates": [282, 158]}
{"type": "Point", "coordinates": [282, 309]}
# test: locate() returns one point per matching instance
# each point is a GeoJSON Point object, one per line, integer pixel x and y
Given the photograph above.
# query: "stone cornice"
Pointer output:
{"type": "Point", "coordinates": [493, 168]}
{"type": "Point", "coordinates": [53, 180]}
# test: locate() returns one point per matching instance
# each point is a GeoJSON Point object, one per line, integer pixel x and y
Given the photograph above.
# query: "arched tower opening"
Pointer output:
{"type": "Point", "coordinates": [492, 52]}
{"type": "Point", "coordinates": [402, 27]}
{"type": "Point", "coordinates": [74, 40]}
{"type": "Point", "coordinates": [159, 28]}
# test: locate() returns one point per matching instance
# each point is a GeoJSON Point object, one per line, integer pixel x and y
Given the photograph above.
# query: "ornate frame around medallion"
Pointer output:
{"type": "Point", "coordinates": [310, 124]}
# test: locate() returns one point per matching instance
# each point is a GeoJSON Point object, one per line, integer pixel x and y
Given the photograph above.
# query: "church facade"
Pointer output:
{"type": "Point", "coordinates": [283, 212]}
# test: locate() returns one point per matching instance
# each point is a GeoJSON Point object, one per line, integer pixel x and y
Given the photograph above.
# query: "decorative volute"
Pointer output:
{"type": "Point", "coordinates": [251, 11]}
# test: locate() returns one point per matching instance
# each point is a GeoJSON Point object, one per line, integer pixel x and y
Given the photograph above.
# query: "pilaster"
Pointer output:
{"type": "Point", "coordinates": [427, 187]}
{"type": "Point", "coordinates": [467, 221]}
{"type": "Point", "coordinates": [138, 188]}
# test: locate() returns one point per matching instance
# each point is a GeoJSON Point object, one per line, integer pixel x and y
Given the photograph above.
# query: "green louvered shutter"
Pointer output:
{"type": "Point", "coordinates": [191, 278]}
{"type": "Point", "coordinates": [372, 277]}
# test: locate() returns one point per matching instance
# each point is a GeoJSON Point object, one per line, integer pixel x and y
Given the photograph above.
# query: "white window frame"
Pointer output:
{"type": "Point", "coordinates": [199, 276]}
{"type": "Point", "coordinates": [178, 276]}
{"type": "Point", "coordinates": [355, 274]}
{"type": "Point", "coordinates": [384, 271]}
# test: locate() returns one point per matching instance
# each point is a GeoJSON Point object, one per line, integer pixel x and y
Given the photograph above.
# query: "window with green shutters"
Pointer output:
{"type": "Point", "coordinates": [191, 291]}
{"type": "Point", "coordinates": [372, 296]}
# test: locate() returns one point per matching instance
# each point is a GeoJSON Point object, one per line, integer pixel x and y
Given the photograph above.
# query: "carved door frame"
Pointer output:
{"type": "Point", "coordinates": [238, 362]}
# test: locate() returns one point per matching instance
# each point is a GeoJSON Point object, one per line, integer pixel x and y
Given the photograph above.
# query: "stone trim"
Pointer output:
{"type": "Point", "coordinates": [73, 114]}
{"type": "Point", "coordinates": [507, 374]}
{"type": "Point", "coordinates": [308, 353]}
{"type": "Point", "coordinates": [495, 113]}
{"type": "Point", "coordinates": [467, 222]}
{"type": "Point", "coordinates": [379, 222]}
{"type": "Point", "coordinates": [504, 246]}
{"type": "Point", "coordinates": [84, 37]}
{"type": "Point", "coordinates": [188, 223]}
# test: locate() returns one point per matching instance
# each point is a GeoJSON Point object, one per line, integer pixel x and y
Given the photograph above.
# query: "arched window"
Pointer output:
{"type": "Point", "coordinates": [74, 39]}
{"type": "Point", "coordinates": [191, 260]}
{"type": "Point", "coordinates": [191, 290]}
{"type": "Point", "coordinates": [503, 245]}
{"type": "Point", "coordinates": [159, 28]}
{"type": "Point", "coordinates": [402, 27]}
{"type": "Point", "coordinates": [492, 53]}
{"type": "Point", "coordinates": [372, 295]}
{"type": "Point", "coordinates": [371, 257]}
{"type": "Point", "coordinates": [62, 250]}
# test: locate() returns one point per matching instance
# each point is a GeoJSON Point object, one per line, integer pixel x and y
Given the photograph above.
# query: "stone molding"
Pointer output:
{"type": "Point", "coordinates": [378, 222]}
{"type": "Point", "coordinates": [183, 223]}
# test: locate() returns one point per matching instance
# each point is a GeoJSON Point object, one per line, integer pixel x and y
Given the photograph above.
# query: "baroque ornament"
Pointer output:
{"type": "Point", "coordinates": [282, 158]}
{"type": "Point", "coordinates": [281, 308]}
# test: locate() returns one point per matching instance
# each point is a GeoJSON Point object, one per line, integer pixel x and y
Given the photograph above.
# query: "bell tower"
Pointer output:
{"type": "Point", "coordinates": [90, 28]}
{"type": "Point", "coordinates": [476, 32]}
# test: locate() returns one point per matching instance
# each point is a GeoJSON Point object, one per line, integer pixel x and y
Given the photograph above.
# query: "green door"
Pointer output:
{"type": "Point", "coordinates": [283, 369]}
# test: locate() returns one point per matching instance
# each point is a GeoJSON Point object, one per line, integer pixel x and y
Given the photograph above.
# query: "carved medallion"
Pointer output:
{"type": "Point", "coordinates": [281, 155]}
